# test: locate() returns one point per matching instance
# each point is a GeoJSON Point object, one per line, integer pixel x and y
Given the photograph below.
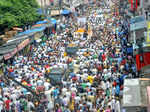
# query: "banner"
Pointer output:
{"type": "Point", "coordinates": [11, 54]}
{"type": "Point", "coordinates": [7, 56]}
{"type": "Point", "coordinates": [55, 12]}
{"type": "Point", "coordinates": [148, 32]}
{"type": "Point", "coordinates": [23, 44]}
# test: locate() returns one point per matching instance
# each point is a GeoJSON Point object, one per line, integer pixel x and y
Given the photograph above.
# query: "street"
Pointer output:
{"type": "Point", "coordinates": [80, 67]}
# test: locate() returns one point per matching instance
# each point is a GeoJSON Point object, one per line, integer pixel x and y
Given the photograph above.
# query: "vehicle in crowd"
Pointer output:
{"type": "Point", "coordinates": [71, 49]}
{"type": "Point", "coordinates": [55, 76]}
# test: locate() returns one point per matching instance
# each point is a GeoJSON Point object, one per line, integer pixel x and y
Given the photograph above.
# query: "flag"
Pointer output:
{"type": "Point", "coordinates": [131, 4]}
{"type": "Point", "coordinates": [136, 5]}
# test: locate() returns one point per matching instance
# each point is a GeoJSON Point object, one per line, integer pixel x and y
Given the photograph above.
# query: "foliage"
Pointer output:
{"type": "Point", "coordinates": [17, 13]}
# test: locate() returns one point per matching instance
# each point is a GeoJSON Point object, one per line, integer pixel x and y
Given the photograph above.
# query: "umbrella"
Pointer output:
{"type": "Point", "coordinates": [80, 30]}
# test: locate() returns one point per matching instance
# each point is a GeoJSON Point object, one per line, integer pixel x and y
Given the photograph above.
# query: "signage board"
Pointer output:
{"type": "Point", "coordinates": [23, 44]}
{"type": "Point", "coordinates": [55, 12]}
{"type": "Point", "coordinates": [11, 54]}
{"type": "Point", "coordinates": [137, 23]}
{"type": "Point", "coordinates": [148, 32]}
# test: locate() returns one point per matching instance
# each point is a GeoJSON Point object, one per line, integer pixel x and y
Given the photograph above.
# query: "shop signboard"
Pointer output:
{"type": "Point", "coordinates": [14, 52]}
{"type": "Point", "coordinates": [55, 12]}
{"type": "Point", "coordinates": [7, 56]}
{"type": "Point", "coordinates": [11, 54]}
{"type": "Point", "coordinates": [137, 23]}
{"type": "Point", "coordinates": [148, 32]}
{"type": "Point", "coordinates": [23, 44]}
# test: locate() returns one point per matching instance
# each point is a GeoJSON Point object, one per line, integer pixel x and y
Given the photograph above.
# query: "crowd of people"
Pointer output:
{"type": "Point", "coordinates": [94, 85]}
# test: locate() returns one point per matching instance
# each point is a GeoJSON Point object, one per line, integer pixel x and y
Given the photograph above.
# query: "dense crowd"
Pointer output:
{"type": "Point", "coordinates": [94, 85]}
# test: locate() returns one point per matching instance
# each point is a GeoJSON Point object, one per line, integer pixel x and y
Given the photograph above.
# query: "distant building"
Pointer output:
{"type": "Point", "coordinates": [144, 8]}
{"type": "Point", "coordinates": [43, 3]}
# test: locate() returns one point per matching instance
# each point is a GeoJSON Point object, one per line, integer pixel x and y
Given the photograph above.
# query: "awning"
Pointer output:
{"type": "Point", "coordinates": [5, 50]}
{"type": "Point", "coordinates": [18, 29]}
{"type": "Point", "coordinates": [32, 30]}
{"type": "Point", "coordinates": [15, 41]}
{"type": "Point", "coordinates": [1, 58]}
{"type": "Point", "coordinates": [37, 25]}
{"type": "Point", "coordinates": [42, 22]}
{"type": "Point", "coordinates": [65, 12]}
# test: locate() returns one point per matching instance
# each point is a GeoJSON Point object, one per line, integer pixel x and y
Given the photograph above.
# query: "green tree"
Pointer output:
{"type": "Point", "coordinates": [17, 13]}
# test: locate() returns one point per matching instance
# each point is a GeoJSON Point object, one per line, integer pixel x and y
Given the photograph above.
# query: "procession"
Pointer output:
{"type": "Point", "coordinates": [79, 68]}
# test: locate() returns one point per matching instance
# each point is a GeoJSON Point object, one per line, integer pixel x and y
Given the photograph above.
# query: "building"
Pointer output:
{"type": "Point", "coordinates": [144, 8]}
{"type": "Point", "coordinates": [43, 3]}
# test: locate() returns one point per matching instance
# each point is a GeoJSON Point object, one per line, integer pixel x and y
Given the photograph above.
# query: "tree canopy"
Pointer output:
{"type": "Point", "coordinates": [17, 13]}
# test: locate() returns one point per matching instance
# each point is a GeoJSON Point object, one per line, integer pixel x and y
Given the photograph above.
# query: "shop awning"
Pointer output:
{"type": "Point", "coordinates": [37, 25]}
{"type": "Point", "coordinates": [5, 50]}
{"type": "Point", "coordinates": [65, 12]}
{"type": "Point", "coordinates": [16, 40]}
{"type": "Point", "coordinates": [52, 20]}
{"type": "Point", "coordinates": [42, 22]}
{"type": "Point", "coordinates": [32, 30]}
{"type": "Point", "coordinates": [1, 58]}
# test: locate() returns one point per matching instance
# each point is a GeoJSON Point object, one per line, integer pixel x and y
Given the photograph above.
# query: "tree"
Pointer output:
{"type": "Point", "coordinates": [17, 13]}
